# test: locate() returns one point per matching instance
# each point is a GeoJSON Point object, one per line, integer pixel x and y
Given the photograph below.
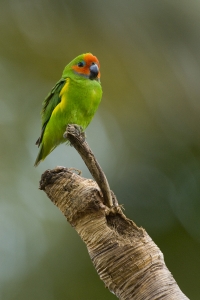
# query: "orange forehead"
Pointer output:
{"type": "Point", "coordinates": [88, 59]}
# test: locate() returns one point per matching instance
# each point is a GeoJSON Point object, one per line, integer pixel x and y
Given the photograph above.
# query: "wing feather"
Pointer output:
{"type": "Point", "coordinates": [49, 104]}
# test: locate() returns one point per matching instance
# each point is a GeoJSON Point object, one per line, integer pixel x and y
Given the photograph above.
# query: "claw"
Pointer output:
{"type": "Point", "coordinates": [79, 131]}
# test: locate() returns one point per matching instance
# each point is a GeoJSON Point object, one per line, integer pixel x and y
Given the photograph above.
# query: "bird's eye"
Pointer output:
{"type": "Point", "coordinates": [81, 64]}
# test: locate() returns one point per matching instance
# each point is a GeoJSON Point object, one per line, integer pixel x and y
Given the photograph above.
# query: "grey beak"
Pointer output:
{"type": "Point", "coordinates": [94, 71]}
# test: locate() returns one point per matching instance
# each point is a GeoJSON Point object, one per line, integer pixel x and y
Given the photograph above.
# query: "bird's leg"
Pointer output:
{"type": "Point", "coordinates": [78, 130]}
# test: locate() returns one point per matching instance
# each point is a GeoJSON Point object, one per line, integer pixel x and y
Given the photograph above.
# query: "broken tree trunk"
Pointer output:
{"type": "Point", "coordinates": [125, 257]}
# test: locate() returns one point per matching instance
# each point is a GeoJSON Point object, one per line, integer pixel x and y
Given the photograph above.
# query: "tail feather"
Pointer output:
{"type": "Point", "coordinates": [39, 157]}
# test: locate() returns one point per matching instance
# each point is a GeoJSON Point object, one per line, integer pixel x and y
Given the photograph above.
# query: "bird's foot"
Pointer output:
{"type": "Point", "coordinates": [78, 130]}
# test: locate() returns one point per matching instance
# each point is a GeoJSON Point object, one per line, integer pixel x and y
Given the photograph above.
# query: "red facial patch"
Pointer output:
{"type": "Point", "coordinates": [88, 59]}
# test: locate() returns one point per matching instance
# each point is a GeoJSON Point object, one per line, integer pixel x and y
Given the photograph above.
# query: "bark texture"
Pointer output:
{"type": "Point", "coordinates": [125, 257]}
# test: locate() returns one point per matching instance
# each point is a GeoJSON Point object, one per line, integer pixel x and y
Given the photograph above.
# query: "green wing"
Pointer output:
{"type": "Point", "coordinates": [50, 102]}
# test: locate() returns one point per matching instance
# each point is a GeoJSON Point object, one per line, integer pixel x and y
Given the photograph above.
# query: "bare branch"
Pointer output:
{"type": "Point", "coordinates": [77, 140]}
{"type": "Point", "coordinates": [125, 257]}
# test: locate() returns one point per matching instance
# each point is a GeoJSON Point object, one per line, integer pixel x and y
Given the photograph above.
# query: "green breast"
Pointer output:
{"type": "Point", "coordinates": [82, 100]}
{"type": "Point", "coordinates": [79, 102]}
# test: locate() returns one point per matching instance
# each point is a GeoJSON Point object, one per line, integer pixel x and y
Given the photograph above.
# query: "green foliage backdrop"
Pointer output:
{"type": "Point", "coordinates": [146, 136]}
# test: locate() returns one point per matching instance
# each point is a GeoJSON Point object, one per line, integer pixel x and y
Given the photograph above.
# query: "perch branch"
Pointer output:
{"type": "Point", "coordinates": [77, 140]}
{"type": "Point", "coordinates": [125, 257]}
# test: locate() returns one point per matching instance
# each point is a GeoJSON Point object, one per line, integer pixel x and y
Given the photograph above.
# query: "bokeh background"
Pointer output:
{"type": "Point", "coordinates": [146, 136]}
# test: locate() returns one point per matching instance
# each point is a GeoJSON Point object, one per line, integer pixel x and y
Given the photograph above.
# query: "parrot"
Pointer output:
{"type": "Point", "coordinates": [73, 100]}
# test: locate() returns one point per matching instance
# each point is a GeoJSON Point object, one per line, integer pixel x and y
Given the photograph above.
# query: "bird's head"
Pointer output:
{"type": "Point", "coordinates": [85, 65]}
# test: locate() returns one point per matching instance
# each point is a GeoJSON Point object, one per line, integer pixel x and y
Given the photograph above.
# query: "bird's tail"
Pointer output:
{"type": "Point", "coordinates": [39, 157]}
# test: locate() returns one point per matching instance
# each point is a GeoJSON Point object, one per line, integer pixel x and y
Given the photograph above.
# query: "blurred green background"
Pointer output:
{"type": "Point", "coordinates": [146, 136]}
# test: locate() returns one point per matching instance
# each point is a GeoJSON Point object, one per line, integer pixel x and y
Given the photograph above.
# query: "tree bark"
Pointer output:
{"type": "Point", "coordinates": [125, 257]}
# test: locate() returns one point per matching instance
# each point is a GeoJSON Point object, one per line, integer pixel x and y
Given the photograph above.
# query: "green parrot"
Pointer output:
{"type": "Point", "coordinates": [73, 100]}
